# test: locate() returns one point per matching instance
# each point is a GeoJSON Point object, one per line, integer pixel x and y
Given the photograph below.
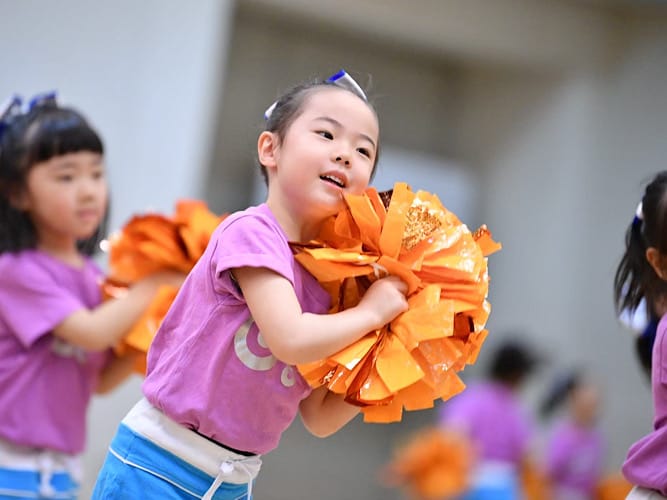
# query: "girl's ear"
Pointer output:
{"type": "Point", "coordinates": [267, 149]}
{"type": "Point", "coordinates": [19, 200]}
{"type": "Point", "coordinates": [655, 258]}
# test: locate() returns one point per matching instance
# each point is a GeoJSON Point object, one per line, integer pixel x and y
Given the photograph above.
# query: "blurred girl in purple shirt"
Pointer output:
{"type": "Point", "coordinates": [575, 449]}
{"type": "Point", "coordinates": [55, 333]}
{"type": "Point", "coordinates": [501, 429]}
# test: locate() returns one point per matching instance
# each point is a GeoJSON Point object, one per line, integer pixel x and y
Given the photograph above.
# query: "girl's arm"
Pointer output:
{"type": "Point", "coordinates": [324, 412]}
{"type": "Point", "coordinates": [116, 371]}
{"type": "Point", "coordinates": [295, 337]}
{"type": "Point", "coordinates": [99, 328]}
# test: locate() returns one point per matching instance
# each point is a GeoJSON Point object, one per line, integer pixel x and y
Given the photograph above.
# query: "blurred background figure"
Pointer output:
{"type": "Point", "coordinates": [498, 423]}
{"type": "Point", "coordinates": [575, 451]}
{"type": "Point", "coordinates": [56, 333]}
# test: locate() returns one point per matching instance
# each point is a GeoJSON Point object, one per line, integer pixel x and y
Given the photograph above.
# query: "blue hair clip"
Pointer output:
{"type": "Point", "coordinates": [9, 109]}
{"type": "Point", "coordinates": [342, 79]}
{"type": "Point", "coordinates": [14, 107]}
{"type": "Point", "coordinates": [41, 99]}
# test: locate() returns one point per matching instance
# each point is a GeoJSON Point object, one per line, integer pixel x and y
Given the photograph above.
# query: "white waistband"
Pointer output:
{"type": "Point", "coordinates": [214, 460]}
{"type": "Point", "coordinates": [46, 462]}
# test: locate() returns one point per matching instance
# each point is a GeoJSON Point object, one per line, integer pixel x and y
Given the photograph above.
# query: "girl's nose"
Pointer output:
{"type": "Point", "coordinates": [345, 160]}
{"type": "Point", "coordinates": [88, 188]}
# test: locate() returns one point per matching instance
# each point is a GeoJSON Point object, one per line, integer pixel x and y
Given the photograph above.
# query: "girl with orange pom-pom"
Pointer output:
{"type": "Point", "coordinates": [55, 332]}
{"type": "Point", "coordinates": [221, 386]}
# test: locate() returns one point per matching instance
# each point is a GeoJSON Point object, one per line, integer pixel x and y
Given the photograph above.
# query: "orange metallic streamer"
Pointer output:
{"type": "Point", "coordinates": [151, 243]}
{"type": "Point", "coordinates": [414, 360]}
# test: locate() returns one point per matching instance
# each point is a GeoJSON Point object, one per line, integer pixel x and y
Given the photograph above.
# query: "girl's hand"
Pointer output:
{"type": "Point", "coordinates": [385, 299]}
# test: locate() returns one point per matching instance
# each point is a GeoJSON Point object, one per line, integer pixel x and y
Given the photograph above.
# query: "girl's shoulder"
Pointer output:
{"type": "Point", "coordinates": [19, 267]}
{"type": "Point", "coordinates": [10, 262]}
{"type": "Point", "coordinates": [256, 219]}
{"type": "Point", "coordinates": [32, 263]}
{"type": "Point", "coordinates": [261, 212]}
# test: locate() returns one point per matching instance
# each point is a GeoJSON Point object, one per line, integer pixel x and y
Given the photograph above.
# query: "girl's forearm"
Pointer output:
{"type": "Point", "coordinates": [104, 326]}
{"type": "Point", "coordinates": [312, 337]}
{"type": "Point", "coordinates": [323, 412]}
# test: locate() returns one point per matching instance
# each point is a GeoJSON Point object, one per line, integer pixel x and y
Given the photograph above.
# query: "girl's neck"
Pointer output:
{"type": "Point", "coordinates": [296, 229]}
{"type": "Point", "coordinates": [68, 254]}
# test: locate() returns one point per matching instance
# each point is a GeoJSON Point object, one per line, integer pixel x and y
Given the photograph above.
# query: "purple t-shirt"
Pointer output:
{"type": "Point", "coordinates": [208, 367]}
{"type": "Point", "coordinates": [646, 463]}
{"type": "Point", "coordinates": [45, 383]}
{"type": "Point", "coordinates": [493, 417]}
{"type": "Point", "coordinates": [575, 457]}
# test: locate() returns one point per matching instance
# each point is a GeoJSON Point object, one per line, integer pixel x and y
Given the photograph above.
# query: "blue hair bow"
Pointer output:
{"type": "Point", "coordinates": [14, 107]}
{"type": "Point", "coordinates": [342, 79]}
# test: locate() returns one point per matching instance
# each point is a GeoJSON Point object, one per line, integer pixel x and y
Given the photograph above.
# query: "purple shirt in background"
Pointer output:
{"type": "Point", "coordinates": [45, 383]}
{"type": "Point", "coordinates": [575, 457]}
{"type": "Point", "coordinates": [646, 463]}
{"type": "Point", "coordinates": [208, 367]}
{"type": "Point", "coordinates": [492, 415]}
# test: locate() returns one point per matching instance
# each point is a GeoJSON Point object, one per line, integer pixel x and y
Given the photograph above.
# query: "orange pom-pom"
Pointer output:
{"type": "Point", "coordinates": [413, 360]}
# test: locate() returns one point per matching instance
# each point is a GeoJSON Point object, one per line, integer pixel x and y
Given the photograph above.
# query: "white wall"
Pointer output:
{"type": "Point", "coordinates": [147, 74]}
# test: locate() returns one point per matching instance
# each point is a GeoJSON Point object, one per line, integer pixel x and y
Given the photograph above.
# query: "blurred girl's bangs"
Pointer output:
{"type": "Point", "coordinates": [60, 132]}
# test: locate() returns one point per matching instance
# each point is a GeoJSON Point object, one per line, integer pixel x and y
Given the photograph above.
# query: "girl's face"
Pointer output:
{"type": "Point", "coordinates": [328, 150]}
{"type": "Point", "coordinates": [66, 198]}
{"type": "Point", "coordinates": [585, 403]}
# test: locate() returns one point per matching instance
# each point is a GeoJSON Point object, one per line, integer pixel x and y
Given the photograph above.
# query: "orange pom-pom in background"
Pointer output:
{"type": "Point", "coordinates": [433, 464]}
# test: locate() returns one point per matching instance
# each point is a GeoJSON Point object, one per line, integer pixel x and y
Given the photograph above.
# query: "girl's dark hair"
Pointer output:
{"type": "Point", "coordinates": [27, 139]}
{"type": "Point", "coordinates": [560, 390]}
{"type": "Point", "coordinates": [644, 347]}
{"type": "Point", "coordinates": [289, 106]}
{"type": "Point", "coordinates": [635, 278]}
{"type": "Point", "coordinates": [512, 362]}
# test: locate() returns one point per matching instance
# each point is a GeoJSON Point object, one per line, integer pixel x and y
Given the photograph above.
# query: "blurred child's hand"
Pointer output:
{"type": "Point", "coordinates": [385, 299]}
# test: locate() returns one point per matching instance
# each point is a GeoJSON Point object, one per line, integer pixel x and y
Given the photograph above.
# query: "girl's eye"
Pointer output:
{"type": "Point", "coordinates": [99, 174]}
{"type": "Point", "coordinates": [65, 178]}
{"type": "Point", "coordinates": [364, 152]}
{"type": "Point", "coordinates": [325, 134]}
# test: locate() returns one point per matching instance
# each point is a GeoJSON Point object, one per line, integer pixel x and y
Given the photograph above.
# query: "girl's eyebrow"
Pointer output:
{"type": "Point", "coordinates": [69, 164]}
{"type": "Point", "coordinates": [337, 124]}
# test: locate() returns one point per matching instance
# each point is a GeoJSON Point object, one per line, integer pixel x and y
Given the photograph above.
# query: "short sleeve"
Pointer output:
{"type": "Point", "coordinates": [252, 240]}
{"type": "Point", "coordinates": [459, 411]}
{"type": "Point", "coordinates": [659, 354]}
{"type": "Point", "coordinates": [32, 303]}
